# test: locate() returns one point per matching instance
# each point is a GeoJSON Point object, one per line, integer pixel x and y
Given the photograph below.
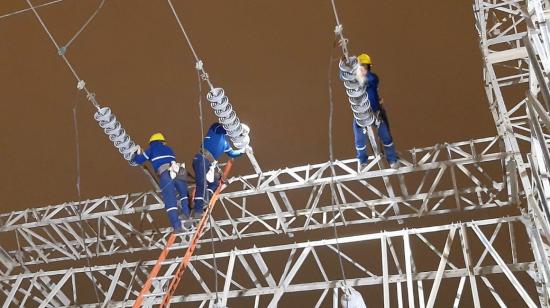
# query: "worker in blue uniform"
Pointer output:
{"type": "Point", "coordinates": [172, 178]}
{"type": "Point", "coordinates": [215, 144]}
{"type": "Point", "coordinates": [366, 76]}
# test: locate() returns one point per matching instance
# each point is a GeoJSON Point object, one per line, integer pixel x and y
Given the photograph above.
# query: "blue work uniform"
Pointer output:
{"type": "Point", "coordinates": [215, 144]}
{"type": "Point", "coordinates": [361, 138]}
{"type": "Point", "coordinates": [160, 154]}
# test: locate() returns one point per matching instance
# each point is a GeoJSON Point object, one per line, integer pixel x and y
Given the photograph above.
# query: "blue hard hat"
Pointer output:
{"type": "Point", "coordinates": [217, 128]}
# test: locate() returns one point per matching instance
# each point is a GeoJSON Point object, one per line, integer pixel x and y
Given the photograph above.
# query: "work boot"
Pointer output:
{"type": "Point", "coordinates": [187, 224]}
{"type": "Point", "coordinates": [178, 230]}
{"type": "Point", "coordinates": [395, 165]}
{"type": "Point", "coordinates": [197, 214]}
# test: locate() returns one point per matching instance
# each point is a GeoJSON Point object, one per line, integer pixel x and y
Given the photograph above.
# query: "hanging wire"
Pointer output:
{"type": "Point", "coordinates": [199, 64]}
{"type": "Point", "coordinates": [78, 192]}
{"type": "Point", "coordinates": [29, 9]}
{"type": "Point", "coordinates": [331, 158]}
{"type": "Point", "coordinates": [339, 31]}
{"type": "Point", "coordinates": [91, 97]}
{"type": "Point", "coordinates": [343, 42]}
{"type": "Point", "coordinates": [237, 132]}
{"type": "Point", "coordinates": [64, 48]}
{"type": "Point", "coordinates": [81, 83]}
{"type": "Point", "coordinates": [201, 120]}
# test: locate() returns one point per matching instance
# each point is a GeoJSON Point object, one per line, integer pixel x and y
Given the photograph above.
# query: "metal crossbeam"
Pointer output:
{"type": "Point", "coordinates": [43, 249]}
{"type": "Point", "coordinates": [438, 259]}
{"type": "Point", "coordinates": [440, 179]}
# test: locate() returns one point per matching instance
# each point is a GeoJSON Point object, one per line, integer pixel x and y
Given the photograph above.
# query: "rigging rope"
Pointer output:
{"type": "Point", "coordinates": [201, 120]}
{"type": "Point", "coordinates": [77, 186]}
{"type": "Point", "coordinates": [332, 171]}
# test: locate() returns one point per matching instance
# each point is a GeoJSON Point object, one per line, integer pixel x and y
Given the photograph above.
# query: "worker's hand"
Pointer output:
{"type": "Point", "coordinates": [239, 152]}
{"type": "Point", "coordinates": [136, 153]}
{"type": "Point", "coordinates": [211, 174]}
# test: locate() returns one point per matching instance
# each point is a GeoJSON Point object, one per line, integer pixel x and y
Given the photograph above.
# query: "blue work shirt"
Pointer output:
{"type": "Point", "coordinates": [158, 154]}
{"type": "Point", "coordinates": [216, 142]}
{"type": "Point", "coordinates": [372, 90]}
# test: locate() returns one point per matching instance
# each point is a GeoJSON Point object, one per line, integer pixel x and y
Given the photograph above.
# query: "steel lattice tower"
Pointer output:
{"type": "Point", "coordinates": [484, 201]}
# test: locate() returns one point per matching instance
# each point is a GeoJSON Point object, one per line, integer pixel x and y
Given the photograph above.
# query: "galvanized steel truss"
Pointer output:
{"type": "Point", "coordinates": [465, 255]}
{"type": "Point", "coordinates": [435, 180]}
{"type": "Point", "coordinates": [40, 244]}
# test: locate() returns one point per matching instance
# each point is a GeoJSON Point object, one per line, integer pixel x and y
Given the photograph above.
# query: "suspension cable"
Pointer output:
{"type": "Point", "coordinates": [26, 10]}
{"type": "Point", "coordinates": [199, 64]}
{"type": "Point", "coordinates": [64, 48]}
{"type": "Point", "coordinates": [237, 132]}
{"type": "Point", "coordinates": [339, 31]}
{"type": "Point", "coordinates": [91, 97]}
{"type": "Point", "coordinates": [81, 83]}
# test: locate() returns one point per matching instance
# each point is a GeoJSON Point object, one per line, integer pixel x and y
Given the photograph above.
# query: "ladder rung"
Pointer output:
{"type": "Point", "coordinates": [155, 294]}
{"type": "Point", "coordinates": [163, 277]}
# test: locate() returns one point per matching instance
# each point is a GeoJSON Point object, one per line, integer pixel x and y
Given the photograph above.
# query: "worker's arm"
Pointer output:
{"type": "Point", "coordinates": [231, 152]}
{"type": "Point", "coordinates": [372, 83]}
{"type": "Point", "coordinates": [360, 142]}
{"type": "Point", "coordinates": [141, 158]}
{"type": "Point", "coordinates": [373, 80]}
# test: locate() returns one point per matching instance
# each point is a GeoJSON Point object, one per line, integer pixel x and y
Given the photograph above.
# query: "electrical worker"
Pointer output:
{"type": "Point", "coordinates": [172, 177]}
{"type": "Point", "coordinates": [369, 79]}
{"type": "Point", "coordinates": [215, 143]}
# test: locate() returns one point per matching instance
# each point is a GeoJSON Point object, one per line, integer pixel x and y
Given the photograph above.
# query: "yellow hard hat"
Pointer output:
{"type": "Point", "coordinates": [364, 59]}
{"type": "Point", "coordinates": [157, 137]}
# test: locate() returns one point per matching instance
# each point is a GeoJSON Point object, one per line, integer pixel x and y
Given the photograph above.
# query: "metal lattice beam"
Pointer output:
{"type": "Point", "coordinates": [441, 255]}
{"type": "Point", "coordinates": [436, 180]}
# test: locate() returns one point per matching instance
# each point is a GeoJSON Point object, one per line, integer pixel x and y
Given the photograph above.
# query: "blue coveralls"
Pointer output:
{"type": "Point", "coordinates": [215, 144]}
{"type": "Point", "coordinates": [384, 133]}
{"type": "Point", "coordinates": [159, 154]}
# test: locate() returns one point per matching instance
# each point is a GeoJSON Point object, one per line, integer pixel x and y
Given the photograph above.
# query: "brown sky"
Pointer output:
{"type": "Point", "coordinates": [271, 57]}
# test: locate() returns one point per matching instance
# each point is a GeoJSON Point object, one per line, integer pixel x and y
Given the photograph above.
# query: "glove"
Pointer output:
{"type": "Point", "coordinates": [352, 299]}
{"type": "Point", "coordinates": [210, 175]}
{"type": "Point", "coordinates": [240, 151]}
{"type": "Point", "coordinates": [136, 153]}
{"type": "Point", "coordinates": [175, 169]}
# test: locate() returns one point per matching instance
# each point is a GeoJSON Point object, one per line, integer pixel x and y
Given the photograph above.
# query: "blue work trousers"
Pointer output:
{"type": "Point", "coordinates": [387, 141]}
{"type": "Point", "coordinates": [384, 134]}
{"type": "Point", "coordinates": [204, 190]}
{"type": "Point", "coordinates": [171, 188]}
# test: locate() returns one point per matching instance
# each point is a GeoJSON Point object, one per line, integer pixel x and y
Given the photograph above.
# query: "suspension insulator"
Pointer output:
{"type": "Point", "coordinates": [237, 132]}
{"type": "Point", "coordinates": [356, 92]}
{"type": "Point", "coordinates": [107, 120]}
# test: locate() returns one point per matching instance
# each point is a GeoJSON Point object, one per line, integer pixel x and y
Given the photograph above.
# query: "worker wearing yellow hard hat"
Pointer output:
{"type": "Point", "coordinates": [157, 137]}
{"type": "Point", "coordinates": [172, 178]}
{"type": "Point", "coordinates": [369, 79]}
{"type": "Point", "coordinates": [364, 59]}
